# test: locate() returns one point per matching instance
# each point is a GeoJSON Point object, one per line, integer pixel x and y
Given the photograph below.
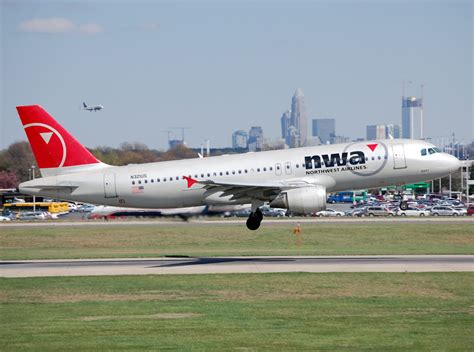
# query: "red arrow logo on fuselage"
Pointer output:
{"type": "Point", "coordinates": [191, 181]}
{"type": "Point", "coordinates": [372, 146]}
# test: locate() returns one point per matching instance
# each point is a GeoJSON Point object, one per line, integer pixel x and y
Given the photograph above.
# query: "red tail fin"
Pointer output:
{"type": "Point", "coordinates": [52, 145]}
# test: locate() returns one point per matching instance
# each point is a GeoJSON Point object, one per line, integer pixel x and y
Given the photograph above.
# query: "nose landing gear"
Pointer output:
{"type": "Point", "coordinates": [254, 220]}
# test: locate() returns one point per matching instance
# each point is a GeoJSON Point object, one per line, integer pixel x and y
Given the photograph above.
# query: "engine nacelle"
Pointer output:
{"type": "Point", "coordinates": [304, 200]}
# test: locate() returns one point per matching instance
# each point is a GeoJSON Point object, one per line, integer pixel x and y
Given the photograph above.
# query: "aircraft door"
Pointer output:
{"type": "Point", "coordinates": [399, 161]}
{"type": "Point", "coordinates": [288, 168]}
{"type": "Point", "coordinates": [278, 169]}
{"type": "Point", "coordinates": [110, 188]}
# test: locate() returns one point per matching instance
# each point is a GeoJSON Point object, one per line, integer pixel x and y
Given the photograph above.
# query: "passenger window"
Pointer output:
{"type": "Point", "coordinates": [133, 182]}
{"type": "Point", "coordinates": [157, 180]}
{"type": "Point", "coordinates": [139, 182]}
{"type": "Point", "coordinates": [208, 175]}
{"type": "Point", "coordinates": [220, 173]}
{"type": "Point", "coordinates": [271, 168]}
{"type": "Point", "coordinates": [240, 171]}
{"type": "Point", "coordinates": [202, 175]}
{"type": "Point", "coordinates": [177, 178]}
{"type": "Point", "coordinates": [152, 180]}
{"type": "Point", "coordinates": [297, 166]}
{"type": "Point", "coordinates": [227, 172]}
{"type": "Point", "coordinates": [164, 179]}
{"type": "Point", "coordinates": [146, 181]}
{"type": "Point", "coordinates": [258, 169]}
{"type": "Point", "coordinates": [264, 169]}
{"type": "Point", "coordinates": [423, 152]}
{"type": "Point", "coordinates": [245, 171]}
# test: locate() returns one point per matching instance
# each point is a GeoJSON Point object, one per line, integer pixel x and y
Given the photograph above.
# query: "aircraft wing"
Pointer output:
{"type": "Point", "coordinates": [264, 191]}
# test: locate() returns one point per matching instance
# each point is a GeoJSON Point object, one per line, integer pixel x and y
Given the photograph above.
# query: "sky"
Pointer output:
{"type": "Point", "coordinates": [218, 66]}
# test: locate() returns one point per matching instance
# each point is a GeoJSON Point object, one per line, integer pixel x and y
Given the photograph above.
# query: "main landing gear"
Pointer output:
{"type": "Point", "coordinates": [254, 220]}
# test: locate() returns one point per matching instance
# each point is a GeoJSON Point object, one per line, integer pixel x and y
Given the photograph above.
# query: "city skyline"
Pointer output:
{"type": "Point", "coordinates": [218, 67]}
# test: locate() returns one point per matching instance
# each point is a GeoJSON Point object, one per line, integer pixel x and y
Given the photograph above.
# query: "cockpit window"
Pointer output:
{"type": "Point", "coordinates": [437, 150]}
{"type": "Point", "coordinates": [423, 152]}
{"type": "Point", "coordinates": [431, 151]}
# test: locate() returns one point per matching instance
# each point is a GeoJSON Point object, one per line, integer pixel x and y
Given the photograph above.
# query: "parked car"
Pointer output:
{"type": "Point", "coordinates": [462, 210]}
{"type": "Point", "coordinates": [4, 218]}
{"type": "Point", "coordinates": [31, 215]}
{"type": "Point", "coordinates": [413, 212]}
{"type": "Point", "coordinates": [360, 212]}
{"type": "Point", "coordinates": [470, 210]}
{"type": "Point", "coordinates": [72, 207]}
{"type": "Point", "coordinates": [442, 210]}
{"type": "Point", "coordinates": [379, 211]}
{"type": "Point", "coordinates": [329, 212]}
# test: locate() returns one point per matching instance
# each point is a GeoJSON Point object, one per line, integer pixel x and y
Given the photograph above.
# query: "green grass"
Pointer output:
{"type": "Point", "coordinates": [298, 311]}
{"type": "Point", "coordinates": [196, 239]}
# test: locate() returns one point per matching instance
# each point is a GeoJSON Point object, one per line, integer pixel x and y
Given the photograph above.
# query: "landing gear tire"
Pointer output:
{"type": "Point", "coordinates": [254, 220]}
{"type": "Point", "coordinates": [403, 205]}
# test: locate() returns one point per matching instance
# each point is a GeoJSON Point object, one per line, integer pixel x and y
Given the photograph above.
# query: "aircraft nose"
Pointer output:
{"type": "Point", "coordinates": [452, 163]}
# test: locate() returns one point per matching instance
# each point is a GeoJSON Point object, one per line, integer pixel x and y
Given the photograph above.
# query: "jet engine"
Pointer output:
{"type": "Point", "coordinates": [304, 200]}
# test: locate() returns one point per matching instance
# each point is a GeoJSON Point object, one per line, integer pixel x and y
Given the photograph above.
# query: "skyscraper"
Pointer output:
{"type": "Point", "coordinates": [298, 116]}
{"type": "Point", "coordinates": [393, 130]}
{"type": "Point", "coordinates": [325, 129]}
{"type": "Point", "coordinates": [255, 141]}
{"type": "Point", "coordinates": [412, 117]}
{"type": "Point", "coordinates": [285, 125]}
{"type": "Point", "coordinates": [239, 139]}
{"type": "Point", "coordinates": [376, 132]}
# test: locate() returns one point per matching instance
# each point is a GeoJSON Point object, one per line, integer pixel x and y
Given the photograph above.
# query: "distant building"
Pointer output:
{"type": "Point", "coordinates": [173, 143]}
{"type": "Point", "coordinates": [412, 118]}
{"type": "Point", "coordinates": [294, 124]}
{"type": "Point", "coordinates": [325, 129]}
{"type": "Point", "coordinates": [298, 117]}
{"type": "Point", "coordinates": [239, 139]}
{"type": "Point", "coordinates": [285, 124]}
{"type": "Point", "coordinates": [376, 132]}
{"type": "Point", "coordinates": [393, 130]}
{"type": "Point", "coordinates": [255, 140]}
{"type": "Point", "coordinates": [273, 144]}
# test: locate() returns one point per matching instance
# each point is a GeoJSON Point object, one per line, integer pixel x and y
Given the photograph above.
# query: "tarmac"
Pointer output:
{"type": "Point", "coordinates": [241, 221]}
{"type": "Point", "coordinates": [226, 265]}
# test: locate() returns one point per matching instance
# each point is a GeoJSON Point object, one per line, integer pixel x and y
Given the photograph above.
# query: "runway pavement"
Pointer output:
{"type": "Point", "coordinates": [241, 221]}
{"type": "Point", "coordinates": [220, 265]}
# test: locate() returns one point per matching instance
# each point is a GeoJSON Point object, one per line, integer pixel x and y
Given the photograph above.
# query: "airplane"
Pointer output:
{"type": "Point", "coordinates": [91, 108]}
{"type": "Point", "coordinates": [295, 179]}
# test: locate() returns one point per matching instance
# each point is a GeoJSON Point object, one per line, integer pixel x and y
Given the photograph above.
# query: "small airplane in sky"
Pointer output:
{"type": "Point", "coordinates": [91, 108]}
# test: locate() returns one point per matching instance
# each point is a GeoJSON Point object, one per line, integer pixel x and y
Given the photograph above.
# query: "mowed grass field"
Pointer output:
{"type": "Point", "coordinates": [196, 239]}
{"type": "Point", "coordinates": [249, 312]}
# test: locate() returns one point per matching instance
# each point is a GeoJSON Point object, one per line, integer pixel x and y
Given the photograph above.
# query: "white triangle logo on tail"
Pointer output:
{"type": "Point", "coordinates": [46, 136]}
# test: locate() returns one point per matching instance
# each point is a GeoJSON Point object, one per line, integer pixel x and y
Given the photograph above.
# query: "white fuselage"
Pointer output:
{"type": "Point", "coordinates": [161, 184]}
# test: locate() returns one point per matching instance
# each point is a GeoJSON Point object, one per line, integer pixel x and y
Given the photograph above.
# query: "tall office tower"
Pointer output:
{"type": "Point", "coordinates": [255, 141]}
{"type": "Point", "coordinates": [239, 139]}
{"type": "Point", "coordinates": [325, 129]}
{"type": "Point", "coordinates": [376, 132]}
{"type": "Point", "coordinates": [298, 116]}
{"type": "Point", "coordinates": [412, 117]}
{"type": "Point", "coordinates": [285, 125]}
{"type": "Point", "coordinates": [393, 130]}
